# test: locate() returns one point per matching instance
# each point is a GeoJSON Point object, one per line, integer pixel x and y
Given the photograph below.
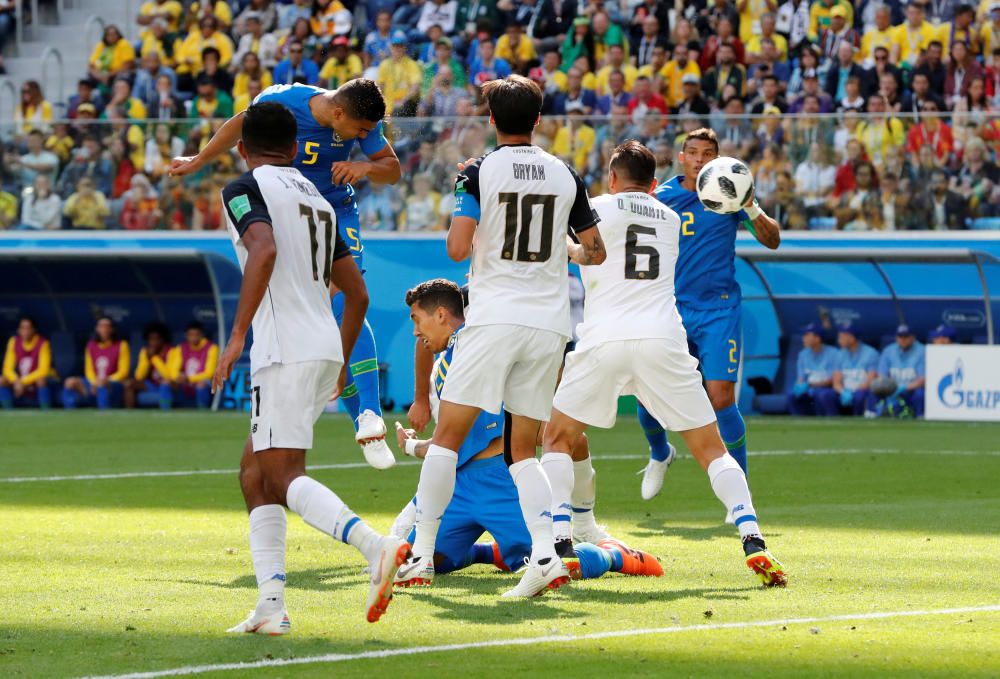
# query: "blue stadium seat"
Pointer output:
{"type": "Point", "coordinates": [822, 223]}
{"type": "Point", "coordinates": [986, 224]}
{"type": "Point", "coordinates": [66, 358]}
{"type": "Point", "coordinates": [776, 402]}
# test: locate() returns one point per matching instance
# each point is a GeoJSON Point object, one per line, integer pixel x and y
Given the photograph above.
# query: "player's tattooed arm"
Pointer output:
{"type": "Point", "coordinates": [591, 249]}
{"type": "Point", "coordinates": [767, 231]}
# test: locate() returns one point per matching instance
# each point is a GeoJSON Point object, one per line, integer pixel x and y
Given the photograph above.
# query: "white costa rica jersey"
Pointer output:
{"type": "Point", "coordinates": [294, 322]}
{"type": "Point", "coordinates": [525, 202]}
{"type": "Point", "coordinates": [631, 294]}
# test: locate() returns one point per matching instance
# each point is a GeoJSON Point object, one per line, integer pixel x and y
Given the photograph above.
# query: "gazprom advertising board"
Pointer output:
{"type": "Point", "coordinates": [963, 382]}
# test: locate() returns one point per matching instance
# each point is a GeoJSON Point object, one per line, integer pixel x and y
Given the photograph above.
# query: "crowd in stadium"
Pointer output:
{"type": "Point", "coordinates": [155, 374]}
{"type": "Point", "coordinates": [910, 139]}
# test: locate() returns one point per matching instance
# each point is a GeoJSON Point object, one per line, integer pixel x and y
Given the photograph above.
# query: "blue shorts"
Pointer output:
{"type": "Point", "coordinates": [349, 225]}
{"type": "Point", "coordinates": [715, 338]}
{"type": "Point", "coordinates": [485, 500]}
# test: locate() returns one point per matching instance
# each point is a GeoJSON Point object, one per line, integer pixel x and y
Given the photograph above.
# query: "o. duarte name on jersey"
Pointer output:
{"type": "Point", "coordinates": [528, 171]}
{"type": "Point", "coordinates": [643, 210]}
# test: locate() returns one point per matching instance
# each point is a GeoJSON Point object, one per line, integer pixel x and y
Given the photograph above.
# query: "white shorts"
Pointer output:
{"type": "Point", "coordinates": [509, 367]}
{"type": "Point", "coordinates": [286, 400]}
{"type": "Point", "coordinates": [659, 372]}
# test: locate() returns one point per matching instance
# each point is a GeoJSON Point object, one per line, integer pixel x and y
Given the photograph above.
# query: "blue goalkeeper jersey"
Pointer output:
{"type": "Point", "coordinates": [486, 427]}
{"type": "Point", "coordinates": [319, 148]}
{"type": "Point", "coordinates": [705, 275]}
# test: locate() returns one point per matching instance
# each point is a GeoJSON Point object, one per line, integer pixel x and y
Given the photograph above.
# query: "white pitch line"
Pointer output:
{"type": "Point", "coordinates": [531, 641]}
{"type": "Point", "coordinates": [409, 463]}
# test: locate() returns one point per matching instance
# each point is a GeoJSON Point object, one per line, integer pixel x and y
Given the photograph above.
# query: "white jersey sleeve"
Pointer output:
{"type": "Point", "coordinates": [525, 202]}
{"type": "Point", "coordinates": [631, 294]}
{"type": "Point", "coordinates": [294, 322]}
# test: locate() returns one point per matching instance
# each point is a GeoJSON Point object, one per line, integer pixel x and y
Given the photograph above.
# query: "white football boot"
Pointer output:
{"type": "Point", "coordinates": [273, 624]}
{"type": "Point", "coordinates": [371, 437]}
{"type": "Point", "coordinates": [392, 553]}
{"type": "Point", "coordinates": [416, 571]}
{"type": "Point", "coordinates": [537, 578]}
{"type": "Point", "coordinates": [652, 475]}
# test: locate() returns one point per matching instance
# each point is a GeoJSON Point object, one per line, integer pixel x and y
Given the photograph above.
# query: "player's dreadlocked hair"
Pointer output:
{"type": "Point", "coordinates": [704, 134]}
{"type": "Point", "coordinates": [515, 103]}
{"type": "Point", "coordinates": [634, 161]}
{"type": "Point", "coordinates": [362, 99]}
{"type": "Point", "coordinates": [437, 292]}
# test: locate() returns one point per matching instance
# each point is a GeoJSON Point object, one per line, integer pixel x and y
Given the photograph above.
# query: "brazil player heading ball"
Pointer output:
{"type": "Point", "coordinates": [329, 123]}
{"type": "Point", "coordinates": [632, 341]}
{"type": "Point", "coordinates": [708, 298]}
{"type": "Point", "coordinates": [296, 360]}
{"type": "Point", "coordinates": [513, 208]}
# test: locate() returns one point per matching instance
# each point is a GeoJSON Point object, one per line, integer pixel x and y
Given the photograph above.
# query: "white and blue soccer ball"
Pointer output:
{"type": "Point", "coordinates": [724, 185]}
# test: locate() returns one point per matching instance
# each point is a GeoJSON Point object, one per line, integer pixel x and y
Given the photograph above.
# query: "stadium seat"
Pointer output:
{"type": "Point", "coordinates": [822, 223]}
{"type": "Point", "coordinates": [986, 224]}
{"type": "Point", "coordinates": [776, 402]}
{"type": "Point", "coordinates": [65, 356]}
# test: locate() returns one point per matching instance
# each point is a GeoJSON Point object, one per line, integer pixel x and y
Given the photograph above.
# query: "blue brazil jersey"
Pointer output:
{"type": "Point", "coordinates": [705, 275]}
{"type": "Point", "coordinates": [319, 149]}
{"type": "Point", "coordinates": [486, 427]}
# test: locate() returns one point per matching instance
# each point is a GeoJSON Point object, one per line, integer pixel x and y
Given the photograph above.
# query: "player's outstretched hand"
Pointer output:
{"type": "Point", "coordinates": [402, 435]}
{"type": "Point", "coordinates": [183, 165]}
{"type": "Point", "coordinates": [461, 166]}
{"type": "Point", "coordinates": [231, 354]}
{"type": "Point", "coordinates": [349, 171]}
{"type": "Point", "coordinates": [419, 415]}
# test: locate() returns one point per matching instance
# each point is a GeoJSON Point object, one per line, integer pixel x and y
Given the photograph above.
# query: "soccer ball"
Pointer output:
{"type": "Point", "coordinates": [724, 185]}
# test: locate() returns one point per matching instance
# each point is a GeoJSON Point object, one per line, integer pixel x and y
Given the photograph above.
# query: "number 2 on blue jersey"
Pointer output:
{"type": "Point", "coordinates": [687, 219]}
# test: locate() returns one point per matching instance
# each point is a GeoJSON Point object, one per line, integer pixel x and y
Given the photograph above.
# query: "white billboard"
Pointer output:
{"type": "Point", "coordinates": [963, 382]}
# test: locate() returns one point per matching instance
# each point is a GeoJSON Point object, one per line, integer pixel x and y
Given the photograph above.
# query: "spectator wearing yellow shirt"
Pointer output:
{"type": "Point", "coordinates": [819, 16]}
{"type": "Point", "coordinates": [960, 29]}
{"type": "Point", "coordinates": [61, 143]}
{"type": "Point", "coordinates": [555, 79]}
{"type": "Point", "coordinates": [219, 10]}
{"type": "Point", "coordinates": [879, 133]}
{"type": "Point", "coordinates": [112, 56]}
{"type": "Point", "coordinates": [421, 213]}
{"type": "Point", "coordinates": [752, 46]}
{"type": "Point", "coordinates": [400, 77]}
{"type": "Point", "coordinates": [150, 384]}
{"type": "Point", "coordinates": [242, 102]}
{"type": "Point", "coordinates": [674, 72]}
{"type": "Point", "coordinates": [161, 42]}
{"type": "Point", "coordinates": [168, 10]}
{"type": "Point", "coordinates": [575, 140]}
{"type": "Point", "coordinates": [989, 34]}
{"type": "Point", "coordinates": [8, 209]}
{"type": "Point", "coordinates": [188, 55]}
{"type": "Point", "coordinates": [250, 69]}
{"type": "Point", "coordinates": [27, 368]}
{"type": "Point", "coordinates": [751, 14]}
{"type": "Point", "coordinates": [33, 112]}
{"type": "Point", "coordinates": [881, 35]}
{"type": "Point", "coordinates": [342, 66]}
{"type": "Point", "coordinates": [616, 62]}
{"type": "Point", "coordinates": [654, 70]}
{"type": "Point", "coordinates": [87, 208]}
{"type": "Point", "coordinates": [911, 37]}
{"type": "Point", "coordinates": [191, 366]}
{"type": "Point", "coordinates": [121, 96]}
{"type": "Point", "coordinates": [514, 48]}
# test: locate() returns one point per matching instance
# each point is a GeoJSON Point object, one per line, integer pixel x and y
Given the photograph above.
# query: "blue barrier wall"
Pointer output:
{"type": "Point", "coordinates": [397, 261]}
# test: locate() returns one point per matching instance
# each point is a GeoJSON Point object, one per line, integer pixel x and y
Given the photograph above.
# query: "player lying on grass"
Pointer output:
{"type": "Point", "coordinates": [708, 298]}
{"type": "Point", "coordinates": [296, 360]}
{"type": "Point", "coordinates": [485, 497]}
{"type": "Point", "coordinates": [329, 123]}
{"type": "Point", "coordinates": [632, 341]}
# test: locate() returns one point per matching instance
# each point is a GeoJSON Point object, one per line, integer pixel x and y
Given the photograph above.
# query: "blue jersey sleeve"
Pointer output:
{"type": "Point", "coordinates": [374, 141]}
{"type": "Point", "coordinates": [467, 192]}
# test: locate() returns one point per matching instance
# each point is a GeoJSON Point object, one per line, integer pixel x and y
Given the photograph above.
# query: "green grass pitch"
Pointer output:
{"type": "Point", "coordinates": [141, 574]}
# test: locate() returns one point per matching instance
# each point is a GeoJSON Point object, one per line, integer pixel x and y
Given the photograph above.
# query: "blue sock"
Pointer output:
{"type": "Point", "coordinates": [103, 398]}
{"type": "Point", "coordinates": [70, 398]}
{"type": "Point", "coordinates": [44, 397]}
{"type": "Point", "coordinates": [363, 372]}
{"type": "Point", "coordinates": [655, 434]}
{"type": "Point", "coordinates": [481, 553]}
{"type": "Point", "coordinates": [6, 398]}
{"type": "Point", "coordinates": [166, 397]}
{"type": "Point", "coordinates": [203, 397]}
{"type": "Point", "coordinates": [734, 434]}
{"type": "Point", "coordinates": [594, 561]}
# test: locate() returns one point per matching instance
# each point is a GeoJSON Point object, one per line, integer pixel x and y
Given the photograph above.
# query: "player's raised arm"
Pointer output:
{"type": "Point", "coordinates": [765, 229]}
{"type": "Point", "coordinates": [262, 252]}
{"type": "Point", "coordinates": [223, 140]}
{"type": "Point", "coordinates": [419, 413]}
{"type": "Point", "coordinates": [466, 214]}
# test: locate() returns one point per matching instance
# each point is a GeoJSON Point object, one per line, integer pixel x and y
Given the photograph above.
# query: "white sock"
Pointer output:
{"type": "Point", "coordinates": [434, 491]}
{"type": "Point", "coordinates": [535, 495]}
{"type": "Point", "coordinates": [322, 509]}
{"type": "Point", "coordinates": [584, 493]}
{"type": "Point", "coordinates": [558, 467]}
{"type": "Point", "coordinates": [730, 486]}
{"type": "Point", "coordinates": [268, 526]}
